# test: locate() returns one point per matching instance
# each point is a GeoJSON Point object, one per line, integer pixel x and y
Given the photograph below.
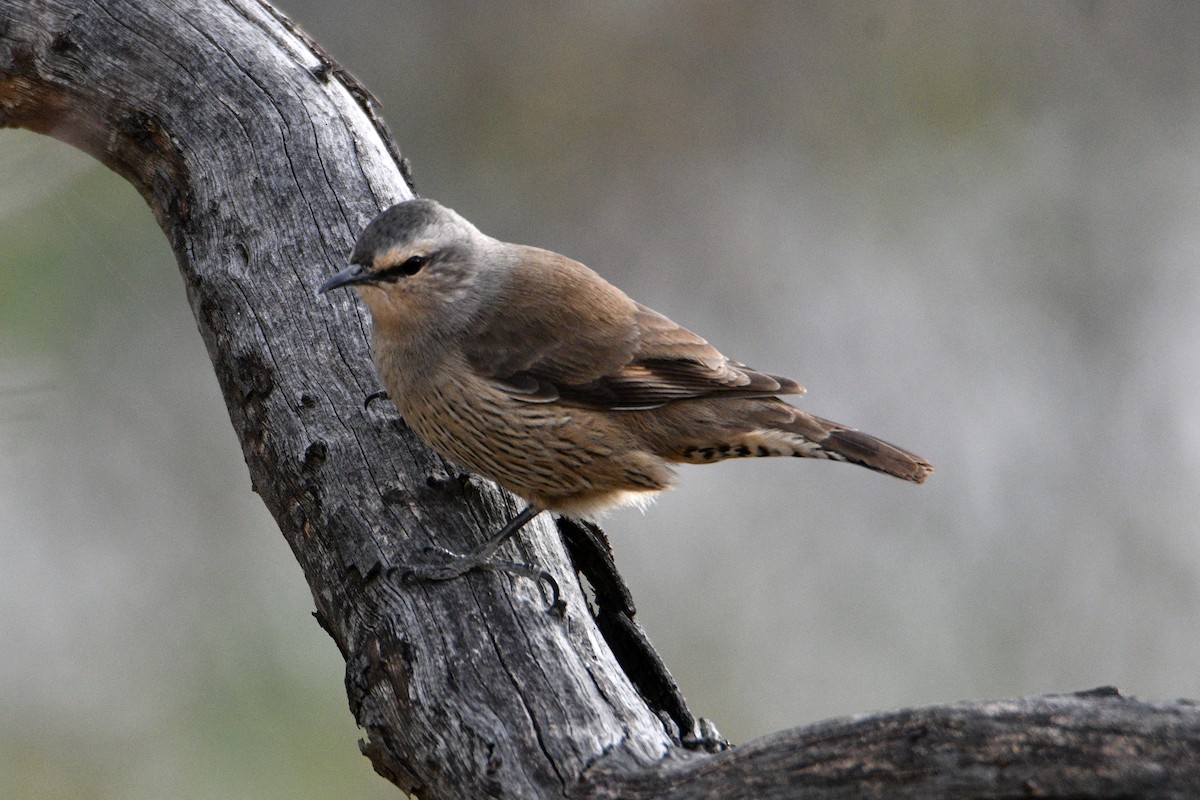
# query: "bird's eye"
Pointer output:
{"type": "Point", "coordinates": [410, 266]}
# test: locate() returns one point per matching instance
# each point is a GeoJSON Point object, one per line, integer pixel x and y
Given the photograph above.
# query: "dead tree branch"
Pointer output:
{"type": "Point", "coordinates": [261, 160]}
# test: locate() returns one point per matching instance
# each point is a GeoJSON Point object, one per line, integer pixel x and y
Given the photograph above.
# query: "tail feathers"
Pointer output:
{"type": "Point", "coordinates": [802, 435]}
{"type": "Point", "coordinates": [814, 437]}
{"type": "Point", "coordinates": [861, 448]}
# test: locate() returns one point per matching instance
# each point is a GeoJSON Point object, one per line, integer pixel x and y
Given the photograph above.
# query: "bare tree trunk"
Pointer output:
{"type": "Point", "coordinates": [262, 159]}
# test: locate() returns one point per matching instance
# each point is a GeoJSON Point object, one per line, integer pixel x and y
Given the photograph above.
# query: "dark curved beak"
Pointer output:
{"type": "Point", "coordinates": [355, 273]}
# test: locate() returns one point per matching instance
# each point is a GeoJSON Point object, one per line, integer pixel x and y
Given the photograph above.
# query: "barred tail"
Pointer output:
{"type": "Point", "coordinates": [774, 428]}
{"type": "Point", "coordinates": [846, 444]}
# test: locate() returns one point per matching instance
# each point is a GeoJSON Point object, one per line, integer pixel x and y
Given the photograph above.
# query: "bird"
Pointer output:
{"type": "Point", "coordinates": [528, 368]}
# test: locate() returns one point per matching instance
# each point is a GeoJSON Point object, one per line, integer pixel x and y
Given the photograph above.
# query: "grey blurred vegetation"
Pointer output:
{"type": "Point", "coordinates": [970, 228]}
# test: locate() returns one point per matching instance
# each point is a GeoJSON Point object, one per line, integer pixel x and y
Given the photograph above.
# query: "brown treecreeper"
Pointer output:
{"type": "Point", "coordinates": [531, 370]}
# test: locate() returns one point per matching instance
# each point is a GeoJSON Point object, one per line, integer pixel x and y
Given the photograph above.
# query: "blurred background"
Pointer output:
{"type": "Point", "coordinates": [969, 228]}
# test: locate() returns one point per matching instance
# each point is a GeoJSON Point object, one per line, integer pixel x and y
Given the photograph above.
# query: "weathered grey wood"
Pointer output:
{"type": "Point", "coordinates": [1090, 745]}
{"type": "Point", "coordinates": [261, 161]}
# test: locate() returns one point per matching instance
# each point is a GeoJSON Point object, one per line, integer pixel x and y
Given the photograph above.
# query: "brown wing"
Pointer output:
{"type": "Point", "coordinates": [559, 332]}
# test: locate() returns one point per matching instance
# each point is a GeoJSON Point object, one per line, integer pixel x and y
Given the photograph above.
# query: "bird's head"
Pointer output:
{"type": "Point", "coordinates": [416, 262]}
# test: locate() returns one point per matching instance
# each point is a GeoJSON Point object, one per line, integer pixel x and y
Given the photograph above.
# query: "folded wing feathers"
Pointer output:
{"type": "Point", "coordinates": [633, 357]}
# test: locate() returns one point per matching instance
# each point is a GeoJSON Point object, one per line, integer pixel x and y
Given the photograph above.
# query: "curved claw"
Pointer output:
{"type": "Point", "coordinates": [557, 605]}
{"type": "Point", "coordinates": [378, 394]}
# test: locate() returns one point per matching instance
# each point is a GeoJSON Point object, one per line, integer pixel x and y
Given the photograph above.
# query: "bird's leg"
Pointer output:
{"type": "Point", "coordinates": [483, 559]}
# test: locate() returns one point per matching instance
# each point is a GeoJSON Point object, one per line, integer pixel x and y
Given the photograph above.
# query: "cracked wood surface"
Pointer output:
{"type": "Point", "coordinates": [261, 160]}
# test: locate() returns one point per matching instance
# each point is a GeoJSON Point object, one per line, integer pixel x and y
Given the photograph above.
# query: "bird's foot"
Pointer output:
{"type": "Point", "coordinates": [706, 738]}
{"type": "Point", "coordinates": [455, 565]}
